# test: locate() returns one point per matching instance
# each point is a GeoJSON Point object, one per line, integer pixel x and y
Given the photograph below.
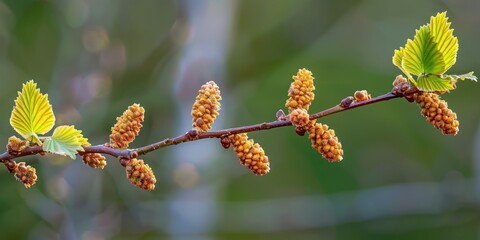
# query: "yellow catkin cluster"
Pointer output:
{"type": "Point", "coordinates": [437, 112]}
{"type": "Point", "coordinates": [127, 127]}
{"type": "Point", "coordinates": [140, 174]}
{"type": "Point", "coordinates": [16, 145]}
{"type": "Point", "coordinates": [250, 154]}
{"type": "Point", "coordinates": [324, 141]}
{"type": "Point", "coordinates": [301, 91]}
{"type": "Point", "coordinates": [206, 106]}
{"type": "Point", "coordinates": [94, 160]}
{"type": "Point", "coordinates": [299, 117]}
{"type": "Point", "coordinates": [362, 95]}
{"type": "Point", "coordinates": [25, 174]}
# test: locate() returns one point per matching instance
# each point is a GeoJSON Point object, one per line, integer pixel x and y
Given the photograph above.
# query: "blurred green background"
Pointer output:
{"type": "Point", "coordinates": [400, 178]}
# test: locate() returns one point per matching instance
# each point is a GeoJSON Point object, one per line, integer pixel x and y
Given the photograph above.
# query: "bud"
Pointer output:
{"type": "Point", "coordinates": [192, 133]}
{"type": "Point", "coordinates": [436, 112]}
{"type": "Point", "coordinates": [280, 115]}
{"type": "Point", "coordinates": [225, 141]}
{"type": "Point", "coordinates": [127, 127]}
{"type": "Point", "coordinates": [206, 106]}
{"type": "Point", "coordinates": [400, 86]}
{"type": "Point", "coordinates": [362, 96]}
{"type": "Point", "coordinates": [140, 174]}
{"type": "Point", "coordinates": [300, 131]}
{"type": "Point", "coordinates": [346, 102]}
{"type": "Point", "coordinates": [250, 154]}
{"type": "Point", "coordinates": [94, 160]}
{"type": "Point", "coordinates": [324, 141]}
{"type": "Point", "coordinates": [301, 91]}
{"type": "Point", "coordinates": [16, 145]}
{"type": "Point", "coordinates": [399, 80]}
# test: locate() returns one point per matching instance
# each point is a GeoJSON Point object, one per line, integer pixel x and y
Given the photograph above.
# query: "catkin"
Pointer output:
{"type": "Point", "coordinates": [94, 160]}
{"type": "Point", "coordinates": [127, 127]}
{"type": "Point", "coordinates": [206, 107]}
{"type": "Point", "coordinates": [436, 112]}
{"type": "Point", "coordinates": [25, 174]}
{"type": "Point", "coordinates": [250, 154]}
{"type": "Point", "coordinates": [324, 141]}
{"type": "Point", "coordinates": [301, 91]}
{"type": "Point", "coordinates": [140, 174]}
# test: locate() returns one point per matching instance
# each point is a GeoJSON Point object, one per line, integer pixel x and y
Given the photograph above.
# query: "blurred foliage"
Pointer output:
{"type": "Point", "coordinates": [95, 58]}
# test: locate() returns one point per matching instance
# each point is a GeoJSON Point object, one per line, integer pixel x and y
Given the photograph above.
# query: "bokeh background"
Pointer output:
{"type": "Point", "coordinates": [400, 178]}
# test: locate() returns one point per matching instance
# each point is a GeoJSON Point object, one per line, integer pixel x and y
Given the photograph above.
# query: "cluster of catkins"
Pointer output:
{"type": "Point", "coordinates": [123, 133]}
{"type": "Point", "coordinates": [22, 172]}
{"type": "Point", "coordinates": [204, 111]}
{"type": "Point", "coordinates": [251, 155]}
{"type": "Point", "coordinates": [300, 98]}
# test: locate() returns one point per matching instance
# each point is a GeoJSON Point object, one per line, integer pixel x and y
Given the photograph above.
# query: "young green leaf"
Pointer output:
{"type": "Point", "coordinates": [429, 55]}
{"type": "Point", "coordinates": [434, 83]}
{"type": "Point", "coordinates": [32, 113]}
{"type": "Point", "coordinates": [466, 76]}
{"type": "Point", "coordinates": [421, 54]}
{"type": "Point", "coordinates": [66, 140]}
{"type": "Point", "coordinates": [397, 61]}
{"type": "Point", "coordinates": [447, 44]}
{"type": "Point", "coordinates": [398, 58]}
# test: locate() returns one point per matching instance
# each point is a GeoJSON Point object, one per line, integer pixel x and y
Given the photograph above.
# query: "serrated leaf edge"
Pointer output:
{"type": "Point", "coordinates": [77, 141]}
{"type": "Point", "coordinates": [26, 113]}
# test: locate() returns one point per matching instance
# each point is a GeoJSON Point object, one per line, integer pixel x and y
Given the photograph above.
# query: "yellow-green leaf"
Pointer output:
{"type": "Point", "coordinates": [397, 61]}
{"type": "Point", "coordinates": [32, 113]}
{"type": "Point", "coordinates": [466, 76]}
{"type": "Point", "coordinates": [398, 57]}
{"type": "Point", "coordinates": [447, 44]}
{"type": "Point", "coordinates": [432, 83]}
{"type": "Point", "coordinates": [430, 54]}
{"type": "Point", "coordinates": [66, 140]}
{"type": "Point", "coordinates": [421, 55]}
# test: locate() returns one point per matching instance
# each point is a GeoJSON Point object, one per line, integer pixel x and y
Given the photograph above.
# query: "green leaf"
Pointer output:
{"type": "Point", "coordinates": [32, 113]}
{"type": "Point", "coordinates": [422, 56]}
{"type": "Point", "coordinates": [466, 76]}
{"type": "Point", "coordinates": [66, 140]}
{"type": "Point", "coordinates": [397, 61]}
{"type": "Point", "coordinates": [398, 57]}
{"type": "Point", "coordinates": [430, 54]}
{"type": "Point", "coordinates": [432, 83]}
{"type": "Point", "coordinates": [442, 35]}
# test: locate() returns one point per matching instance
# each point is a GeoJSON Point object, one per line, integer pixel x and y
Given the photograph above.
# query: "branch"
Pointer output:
{"type": "Point", "coordinates": [193, 135]}
{"type": "Point", "coordinates": [189, 136]}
